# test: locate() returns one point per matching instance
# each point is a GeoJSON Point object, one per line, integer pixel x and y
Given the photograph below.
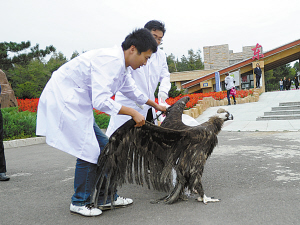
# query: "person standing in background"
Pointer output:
{"type": "Point", "coordinates": [288, 84]}
{"type": "Point", "coordinates": [296, 82]}
{"type": "Point", "coordinates": [284, 83]}
{"type": "Point", "coordinates": [281, 84]}
{"type": "Point", "coordinates": [3, 176]}
{"type": "Point", "coordinates": [229, 84]}
{"type": "Point", "coordinates": [257, 71]}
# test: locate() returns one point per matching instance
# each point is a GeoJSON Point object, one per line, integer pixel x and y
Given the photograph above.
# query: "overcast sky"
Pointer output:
{"type": "Point", "coordinates": [71, 25]}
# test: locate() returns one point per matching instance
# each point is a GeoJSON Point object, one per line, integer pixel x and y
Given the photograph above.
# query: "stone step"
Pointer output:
{"type": "Point", "coordinates": [288, 117]}
{"type": "Point", "coordinates": [294, 107]}
{"type": "Point", "coordinates": [289, 103]}
{"type": "Point", "coordinates": [282, 112]}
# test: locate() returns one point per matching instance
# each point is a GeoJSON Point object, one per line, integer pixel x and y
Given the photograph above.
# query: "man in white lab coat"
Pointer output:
{"type": "Point", "coordinates": [65, 110]}
{"type": "Point", "coordinates": [146, 78]}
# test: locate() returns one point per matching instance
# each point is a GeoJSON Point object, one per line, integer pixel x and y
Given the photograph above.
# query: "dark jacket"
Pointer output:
{"type": "Point", "coordinates": [296, 82]}
{"type": "Point", "coordinates": [257, 71]}
{"type": "Point", "coordinates": [284, 83]}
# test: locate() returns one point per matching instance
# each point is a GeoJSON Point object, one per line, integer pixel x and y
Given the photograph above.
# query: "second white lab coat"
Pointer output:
{"type": "Point", "coordinates": [146, 79]}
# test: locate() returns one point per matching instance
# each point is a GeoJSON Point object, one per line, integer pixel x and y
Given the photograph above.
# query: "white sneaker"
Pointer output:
{"type": "Point", "coordinates": [120, 202]}
{"type": "Point", "coordinates": [85, 210]}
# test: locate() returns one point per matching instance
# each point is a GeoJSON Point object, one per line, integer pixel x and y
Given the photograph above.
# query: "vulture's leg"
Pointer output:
{"type": "Point", "coordinates": [206, 199]}
{"type": "Point", "coordinates": [203, 198]}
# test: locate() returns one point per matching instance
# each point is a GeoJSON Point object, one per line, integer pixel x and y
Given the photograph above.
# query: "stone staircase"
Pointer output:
{"type": "Point", "coordinates": [285, 111]}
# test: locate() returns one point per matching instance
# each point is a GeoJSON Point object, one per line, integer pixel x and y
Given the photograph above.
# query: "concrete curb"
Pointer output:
{"type": "Point", "coordinates": [28, 141]}
{"type": "Point", "coordinates": [24, 142]}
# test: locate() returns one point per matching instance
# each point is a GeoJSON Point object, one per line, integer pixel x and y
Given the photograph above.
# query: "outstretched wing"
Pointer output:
{"type": "Point", "coordinates": [139, 155]}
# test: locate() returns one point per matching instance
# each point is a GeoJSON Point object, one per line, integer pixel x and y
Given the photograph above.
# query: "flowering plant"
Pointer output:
{"type": "Point", "coordinates": [31, 104]}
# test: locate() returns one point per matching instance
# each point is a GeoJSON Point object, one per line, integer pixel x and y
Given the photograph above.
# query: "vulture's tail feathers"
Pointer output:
{"type": "Point", "coordinates": [174, 195]}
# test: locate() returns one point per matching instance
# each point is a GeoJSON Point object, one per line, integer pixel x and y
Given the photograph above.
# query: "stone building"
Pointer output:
{"type": "Point", "coordinates": [215, 58]}
{"type": "Point", "coordinates": [219, 56]}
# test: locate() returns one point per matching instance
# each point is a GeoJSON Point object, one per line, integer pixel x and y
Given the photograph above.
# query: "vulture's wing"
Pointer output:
{"type": "Point", "coordinates": [145, 154]}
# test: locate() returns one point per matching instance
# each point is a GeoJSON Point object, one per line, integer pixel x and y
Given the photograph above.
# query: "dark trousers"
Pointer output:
{"type": "Point", "coordinates": [150, 116]}
{"type": "Point", "coordinates": [2, 156]}
{"type": "Point", "coordinates": [257, 81]}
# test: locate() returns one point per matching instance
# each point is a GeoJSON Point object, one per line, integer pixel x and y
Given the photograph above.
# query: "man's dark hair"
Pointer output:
{"type": "Point", "coordinates": [155, 25]}
{"type": "Point", "coordinates": [142, 39]}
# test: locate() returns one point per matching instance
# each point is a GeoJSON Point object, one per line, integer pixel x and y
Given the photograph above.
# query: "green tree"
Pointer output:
{"type": "Point", "coordinates": [282, 71]}
{"type": "Point", "coordinates": [183, 64]}
{"type": "Point", "coordinates": [272, 77]}
{"type": "Point", "coordinates": [74, 54]}
{"type": "Point", "coordinates": [29, 78]}
{"type": "Point", "coordinates": [192, 62]}
{"type": "Point", "coordinates": [296, 67]}
{"type": "Point", "coordinates": [28, 81]}
{"type": "Point", "coordinates": [56, 61]}
{"type": "Point", "coordinates": [171, 63]}
{"type": "Point", "coordinates": [174, 92]}
{"type": "Point", "coordinates": [198, 60]}
{"type": "Point", "coordinates": [22, 55]}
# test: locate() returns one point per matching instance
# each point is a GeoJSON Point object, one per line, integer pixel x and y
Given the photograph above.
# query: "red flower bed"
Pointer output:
{"type": "Point", "coordinates": [31, 104]}
{"type": "Point", "coordinates": [199, 96]}
{"type": "Point", "coordinates": [28, 104]}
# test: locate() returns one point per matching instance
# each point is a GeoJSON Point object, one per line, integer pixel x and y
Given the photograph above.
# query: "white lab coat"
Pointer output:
{"type": "Point", "coordinates": [229, 84]}
{"type": "Point", "coordinates": [65, 110]}
{"type": "Point", "coordinates": [146, 79]}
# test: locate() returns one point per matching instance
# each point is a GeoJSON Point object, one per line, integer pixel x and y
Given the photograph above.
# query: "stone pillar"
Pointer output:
{"type": "Point", "coordinates": [263, 86]}
{"type": "Point", "coordinates": [7, 98]}
{"type": "Point", "coordinates": [254, 77]}
{"type": "Point", "coordinates": [178, 85]}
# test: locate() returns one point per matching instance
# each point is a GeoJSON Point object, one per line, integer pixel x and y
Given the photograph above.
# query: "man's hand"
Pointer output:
{"type": "Point", "coordinates": [139, 119]}
{"type": "Point", "coordinates": [136, 116]}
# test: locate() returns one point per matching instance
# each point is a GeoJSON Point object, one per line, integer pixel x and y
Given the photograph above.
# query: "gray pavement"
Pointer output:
{"type": "Point", "coordinates": [255, 174]}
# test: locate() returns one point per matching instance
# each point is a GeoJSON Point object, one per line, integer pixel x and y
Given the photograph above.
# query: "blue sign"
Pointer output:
{"type": "Point", "coordinates": [205, 84]}
{"type": "Point", "coordinates": [217, 79]}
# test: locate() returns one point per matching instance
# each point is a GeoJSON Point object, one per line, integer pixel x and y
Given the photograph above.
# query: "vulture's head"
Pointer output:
{"type": "Point", "coordinates": [223, 114]}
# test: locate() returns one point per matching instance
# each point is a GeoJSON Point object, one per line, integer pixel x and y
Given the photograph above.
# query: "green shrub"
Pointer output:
{"type": "Point", "coordinates": [17, 125]}
{"type": "Point", "coordinates": [102, 120]}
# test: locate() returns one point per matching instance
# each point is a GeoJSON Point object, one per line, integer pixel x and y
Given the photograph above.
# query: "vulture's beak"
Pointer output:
{"type": "Point", "coordinates": [230, 116]}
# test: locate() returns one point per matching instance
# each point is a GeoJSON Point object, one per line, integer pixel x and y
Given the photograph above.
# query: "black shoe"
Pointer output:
{"type": "Point", "coordinates": [3, 177]}
{"type": "Point", "coordinates": [234, 103]}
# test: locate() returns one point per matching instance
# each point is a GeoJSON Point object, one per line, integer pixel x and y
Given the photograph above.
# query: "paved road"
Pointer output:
{"type": "Point", "coordinates": [255, 174]}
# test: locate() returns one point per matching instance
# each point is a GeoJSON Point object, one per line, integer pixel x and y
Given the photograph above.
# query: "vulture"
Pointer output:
{"type": "Point", "coordinates": [150, 154]}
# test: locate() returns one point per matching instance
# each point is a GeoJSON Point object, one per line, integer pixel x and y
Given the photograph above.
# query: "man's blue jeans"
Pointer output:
{"type": "Point", "coordinates": [85, 175]}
